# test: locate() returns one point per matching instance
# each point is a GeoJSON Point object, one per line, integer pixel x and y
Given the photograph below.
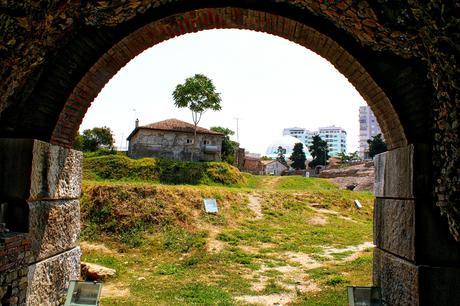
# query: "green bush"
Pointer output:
{"type": "Point", "coordinates": [119, 167]}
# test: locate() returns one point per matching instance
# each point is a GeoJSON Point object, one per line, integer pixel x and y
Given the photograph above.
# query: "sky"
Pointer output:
{"type": "Point", "coordinates": [268, 82]}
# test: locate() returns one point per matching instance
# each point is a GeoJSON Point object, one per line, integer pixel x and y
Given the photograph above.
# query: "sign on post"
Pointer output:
{"type": "Point", "coordinates": [210, 205]}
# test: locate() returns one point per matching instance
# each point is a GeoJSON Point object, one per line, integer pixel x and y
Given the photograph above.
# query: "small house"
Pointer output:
{"type": "Point", "coordinates": [173, 139]}
{"type": "Point", "coordinates": [273, 167]}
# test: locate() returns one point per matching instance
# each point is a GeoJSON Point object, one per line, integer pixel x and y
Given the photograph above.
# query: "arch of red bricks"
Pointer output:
{"type": "Point", "coordinates": [223, 18]}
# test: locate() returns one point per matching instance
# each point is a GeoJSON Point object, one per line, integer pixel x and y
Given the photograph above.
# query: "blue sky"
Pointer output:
{"type": "Point", "coordinates": [268, 82]}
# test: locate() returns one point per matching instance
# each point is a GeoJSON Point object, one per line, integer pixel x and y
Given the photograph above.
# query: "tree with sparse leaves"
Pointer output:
{"type": "Point", "coordinates": [198, 94]}
{"type": "Point", "coordinates": [319, 151]}
{"type": "Point", "coordinates": [376, 145]}
{"type": "Point", "coordinates": [298, 157]}
{"type": "Point", "coordinates": [229, 146]}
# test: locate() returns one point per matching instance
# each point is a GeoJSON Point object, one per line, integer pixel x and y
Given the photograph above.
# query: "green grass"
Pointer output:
{"type": "Point", "coordinates": [158, 235]}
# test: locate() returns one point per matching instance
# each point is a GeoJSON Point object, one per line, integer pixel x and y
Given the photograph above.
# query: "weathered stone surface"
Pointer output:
{"type": "Point", "coordinates": [360, 176]}
{"type": "Point", "coordinates": [34, 170]}
{"type": "Point", "coordinates": [394, 173]}
{"type": "Point", "coordinates": [49, 279]}
{"type": "Point", "coordinates": [394, 226]}
{"type": "Point", "coordinates": [399, 279]}
{"type": "Point", "coordinates": [54, 227]}
{"type": "Point", "coordinates": [94, 272]}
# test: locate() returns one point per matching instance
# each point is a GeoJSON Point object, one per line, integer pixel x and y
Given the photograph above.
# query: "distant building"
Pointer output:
{"type": "Point", "coordinates": [273, 167]}
{"type": "Point", "coordinates": [336, 139]}
{"type": "Point", "coordinates": [252, 165]}
{"type": "Point", "coordinates": [287, 142]}
{"type": "Point", "coordinates": [173, 139]}
{"type": "Point", "coordinates": [368, 127]}
{"type": "Point", "coordinates": [304, 135]}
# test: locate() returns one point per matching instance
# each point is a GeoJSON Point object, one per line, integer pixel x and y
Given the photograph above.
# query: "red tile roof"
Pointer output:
{"type": "Point", "coordinates": [174, 125]}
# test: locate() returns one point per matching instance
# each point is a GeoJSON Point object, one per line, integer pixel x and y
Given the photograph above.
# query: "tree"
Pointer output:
{"type": "Point", "coordinates": [280, 157]}
{"type": "Point", "coordinates": [199, 95]}
{"type": "Point", "coordinates": [376, 145]}
{"type": "Point", "coordinates": [298, 157]}
{"type": "Point", "coordinates": [344, 157]}
{"type": "Point", "coordinates": [94, 139]}
{"type": "Point", "coordinates": [229, 146]}
{"type": "Point", "coordinates": [319, 151]}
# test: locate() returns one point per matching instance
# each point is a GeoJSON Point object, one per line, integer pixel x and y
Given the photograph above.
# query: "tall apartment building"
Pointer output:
{"type": "Point", "coordinates": [368, 127]}
{"type": "Point", "coordinates": [335, 137]}
{"type": "Point", "coordinates": [305, 136]}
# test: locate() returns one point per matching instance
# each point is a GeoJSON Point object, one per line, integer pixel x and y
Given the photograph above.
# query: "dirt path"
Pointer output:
{"type": "Point", "coordinates": [270, 182]}
{"type": "Point", "coordinates": [255, 206]}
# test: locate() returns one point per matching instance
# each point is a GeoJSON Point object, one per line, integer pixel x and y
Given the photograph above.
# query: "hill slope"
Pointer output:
{"type": "Point", "coordinates": [285, 240]}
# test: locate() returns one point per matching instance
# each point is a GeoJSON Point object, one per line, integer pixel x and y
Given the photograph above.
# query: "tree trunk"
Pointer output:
{"type": "Point", "coordinates": [194, 143]}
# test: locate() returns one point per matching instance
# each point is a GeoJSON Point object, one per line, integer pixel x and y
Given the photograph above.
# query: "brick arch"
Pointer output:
{"type": "Point", "coordinates": [163, 29]}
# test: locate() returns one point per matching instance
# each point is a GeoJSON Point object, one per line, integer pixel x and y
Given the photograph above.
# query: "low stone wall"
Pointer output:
{"type": "Point", "coordinates": [358, 177]}
{"type": "Point", "coordinates": [14, 258]}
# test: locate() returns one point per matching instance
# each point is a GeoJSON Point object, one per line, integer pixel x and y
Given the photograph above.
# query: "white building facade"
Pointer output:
{"type": "Point", "coordinates": [368, 127]}
{"type": "Point", "coordinates": [336, 138]}
{"type": "Point", "coordinates": [305, 136]}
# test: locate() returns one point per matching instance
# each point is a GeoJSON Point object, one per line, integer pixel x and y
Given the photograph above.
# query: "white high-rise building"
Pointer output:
{"type": "Point", "coordinates": [335, 137]}
{"type": "Point", "coordinates": [368, 127]}
{"type": "Point", "coordinates": [305, 136]}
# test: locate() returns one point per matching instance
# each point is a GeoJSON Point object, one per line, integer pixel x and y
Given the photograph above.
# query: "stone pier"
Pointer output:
{"type": "Point", "coordinates": [41, 185]}
{"type": "Point", "coordinates": [416, 261]}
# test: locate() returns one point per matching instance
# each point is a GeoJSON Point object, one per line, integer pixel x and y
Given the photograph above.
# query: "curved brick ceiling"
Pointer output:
{"type": "Point", "coordinates": [153, 33]}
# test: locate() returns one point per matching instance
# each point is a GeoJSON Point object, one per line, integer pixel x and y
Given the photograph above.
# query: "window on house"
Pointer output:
{"type": "Point", "coordinates": [205, 142]}
{"type": "Point", "coordinates": [189, 140]}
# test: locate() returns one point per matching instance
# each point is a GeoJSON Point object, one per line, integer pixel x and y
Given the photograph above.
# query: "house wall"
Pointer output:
{"type": "Point", "coordinates": [275, 168]}
{"type": "Point", "coordinates": [174, 145]}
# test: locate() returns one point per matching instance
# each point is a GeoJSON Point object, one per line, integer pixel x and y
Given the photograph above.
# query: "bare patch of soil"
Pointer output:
{"type": "Point", "coordinates": [114, 290]}
{"type": "Point", "coordinates": [303, 259]}
{"type": "Point", "coordinates": [255, 206]}
{"type": "Point", "coordinates": [212, 244]}
{"type": "Point", "coordinates": [317, 220]}
{"type": "Point", "coordinates": [95, 247]}
{"type": "Point", "coordinates": [356, 249]}
{"type": "Point", "coordinates": [270, 299]}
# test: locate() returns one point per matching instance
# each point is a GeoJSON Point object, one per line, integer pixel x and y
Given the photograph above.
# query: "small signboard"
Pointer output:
{"type": "Point", "coordinates": [364, 296]}
{"type": "Point", "coordinates": [210, 205]}
{"type": "Point", "coordinates": [83, 293]}
{"type": "Point", "coordinates": [358, 204]}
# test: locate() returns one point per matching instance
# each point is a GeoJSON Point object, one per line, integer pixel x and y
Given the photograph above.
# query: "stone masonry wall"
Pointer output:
{"type": "Point", "coordinates": [48, 179]}
{"type": "Point", "coordinates": [31, 32]}
{"type": "Point", "coordinates": [173, 145]}
{"type": "Point", "coordinates": [14, 258]}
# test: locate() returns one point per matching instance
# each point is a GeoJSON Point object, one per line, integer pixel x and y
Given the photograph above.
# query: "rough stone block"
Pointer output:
{"type": "Point", "coordinates": [394, 226]}
{"type": "Point", "coordinates": [54, 226]}
{"type": "Point", "coordinates": [48, 280]}
{"type": "Point", "coordinates": [394, 173]}
{"type": "Point", "coordinates": [34, 170]}
{"type": "Point", "coordinates": [398, 278]}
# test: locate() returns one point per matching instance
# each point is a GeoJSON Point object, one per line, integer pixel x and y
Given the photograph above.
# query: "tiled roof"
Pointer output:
{"type": "Point", "coordinates": [174, 125]}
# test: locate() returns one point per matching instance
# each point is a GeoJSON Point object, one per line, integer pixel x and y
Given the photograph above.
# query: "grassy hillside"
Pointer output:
{"type": "Point", "coordinates": [119, 167]}
{"type": "Point", "coordinates": [291, 240]}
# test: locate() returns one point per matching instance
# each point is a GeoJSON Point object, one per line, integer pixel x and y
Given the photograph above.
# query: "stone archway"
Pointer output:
{"type": "Point", "coordinates": [59, 56]}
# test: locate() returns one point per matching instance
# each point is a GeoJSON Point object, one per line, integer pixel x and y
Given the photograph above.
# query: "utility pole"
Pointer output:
{"type": "Point", "coordinates": [237, 129]}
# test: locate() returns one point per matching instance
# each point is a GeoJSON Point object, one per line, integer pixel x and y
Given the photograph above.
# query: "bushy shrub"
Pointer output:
{"type": "Point", "coordinates": [119, 167]}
